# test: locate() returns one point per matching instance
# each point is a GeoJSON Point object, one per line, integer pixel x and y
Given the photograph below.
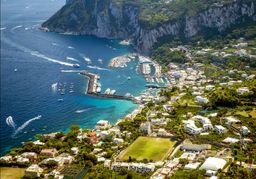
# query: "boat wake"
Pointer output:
{"type": "Point", "coordinates": [54, 87]}
{"type": "Point", "coordinates": [55, 44]}
{"type": "Point", "coordinates": [2, 28]}
{"type": "Point", "coordinates": [19, 129]}
{"type": "Point", "coordinates": [86, 59]}
{"type": "Point", "coordinates": [16, 27]}
{"type": "Point", "coordinates": [82, 110]}
{"type": "Point", "coordinates": [71, 71]}
{"type": "Point", "coordinates": [10, 122]}
{"type": "Point", "coordinates": [97, 68]}
{"type": "Point", "coordinates": [72, 59]}
{"type": "Point", "coordinates": [36, 53]}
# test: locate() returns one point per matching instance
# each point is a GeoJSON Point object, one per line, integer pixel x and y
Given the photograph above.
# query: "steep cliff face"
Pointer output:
{"type": "Point", "coordinates": [103, 18]}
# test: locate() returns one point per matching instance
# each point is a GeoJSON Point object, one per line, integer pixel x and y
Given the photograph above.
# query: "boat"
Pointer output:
{"type": "Point", "coordinates": [128, 78]}
{"type": "Point", "coordinates": [112, 92]}
{"type": "Point", "coordinates": [15, 70]}
{"type": "Point", "coordinates": [76, 65]}
{"type": "Point", "coordinates": [98, 90]}
{"type": "Point", "coordinates": [60, 100]}
{"type": "Point", "coordinates": [107, 91]}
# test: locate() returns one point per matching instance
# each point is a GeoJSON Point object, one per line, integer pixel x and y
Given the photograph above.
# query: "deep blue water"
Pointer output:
{"type": "Point", "coordinates": [39, 59]}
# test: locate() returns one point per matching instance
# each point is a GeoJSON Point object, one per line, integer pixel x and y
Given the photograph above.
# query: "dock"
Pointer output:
{"type": "Point", "coordinates": [92, 86]}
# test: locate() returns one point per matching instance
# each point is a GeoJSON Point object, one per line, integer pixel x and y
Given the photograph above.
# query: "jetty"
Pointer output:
{"type": "Point", "coordinates": [92, 88]}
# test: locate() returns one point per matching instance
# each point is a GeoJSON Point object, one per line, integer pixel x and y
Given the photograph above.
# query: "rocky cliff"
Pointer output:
{"type": "Point", "coordinates": [103, 18]}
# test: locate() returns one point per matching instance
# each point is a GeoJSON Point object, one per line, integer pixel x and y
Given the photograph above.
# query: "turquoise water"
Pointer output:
{"type": "Point", "coordinates": [39, 59]}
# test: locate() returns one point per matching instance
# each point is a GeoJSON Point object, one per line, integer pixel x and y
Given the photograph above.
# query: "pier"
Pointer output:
{"type": "Point", "coordinates": [92, 86]}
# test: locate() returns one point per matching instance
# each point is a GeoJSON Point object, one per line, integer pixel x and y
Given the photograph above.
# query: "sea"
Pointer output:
{"type": "Point", "coordinates": [41, 91]}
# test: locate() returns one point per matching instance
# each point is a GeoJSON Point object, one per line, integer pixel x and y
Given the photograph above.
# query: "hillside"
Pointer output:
{"type": "Point", "coordinates": [146, 22]}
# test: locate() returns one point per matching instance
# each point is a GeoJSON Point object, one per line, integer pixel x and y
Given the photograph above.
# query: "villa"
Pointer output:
{"type": "Point", "coordinates": [220, 129]}
{"type": "Point", "coordinates": [146, 128]}
{"type": "Point", "coordinates": [102, 124]}
{"type": "Point", "coordinates": [201, 100]}
{"type": "Point", "coordinates": [191, 128]}
{"type": "Point", "coordinates": [49, 152]}
{"type": "Point", "coordinates": [32, 156]}
{"type": "Point", "coordinates": [34, 171]}
{"type": "Point", "coordinates": [244, 130]}
{"type": "Point", "coordinates": [243, 90]}
{"type": "Point", "coordinates": [231, 120]}
{"type": "Point", "coordinates": [139, 167]}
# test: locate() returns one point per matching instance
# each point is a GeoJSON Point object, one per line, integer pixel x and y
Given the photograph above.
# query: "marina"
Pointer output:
{"type": "Point", "coordinates": [93, 85]}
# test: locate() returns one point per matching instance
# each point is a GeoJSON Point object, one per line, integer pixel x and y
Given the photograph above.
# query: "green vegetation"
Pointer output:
{"type": "Point", "coordinates": [145, 148]}
{"type": "Point", "coordinates": [11, 173]}
{"type": "Point", "coordinates": [193, 174]}
{"type": "Point", "coordinates": [100, 172]}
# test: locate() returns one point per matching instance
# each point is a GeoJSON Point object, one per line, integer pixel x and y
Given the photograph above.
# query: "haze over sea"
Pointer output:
{"type": "Point", "coordinates": [30, 95]}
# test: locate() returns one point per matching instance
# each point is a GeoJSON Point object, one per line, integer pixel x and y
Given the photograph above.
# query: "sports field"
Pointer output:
{"type": "Point", "coordinates": [11, 173]}
{"type": "Point", "coordinates": [150, 148]}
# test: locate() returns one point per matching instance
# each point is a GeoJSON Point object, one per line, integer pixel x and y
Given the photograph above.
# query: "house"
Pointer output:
{"type": "Point", "coordinates": [244, 130]}
{"type": "Point", "coordinates": [20, 159]}
{"type": "Point", "coordinates": [118, 140]}
{"type": "Point", "coordinates": [201, 100]}
{"type": "Point", "coordinates": [210, 87]}
{"type": "Point", "coordinates": [231, 120]}
{"type": "Point", "coordinates": [6, 158]}
{"type": "Point", "coordinates": [213, 164]}
{"type": "Point", "coordinates": [32, 156]}
{"type": "Point", "coordinates": [75, 150]}
{"type": "Point", "coordinates": [146, 128]}
{"type": "Point", "coordinates": [33, 171]}
{"type": "Point", "coordinates": [139, 167]}
{"type": "Point", "coordinates": [230, 140]}
{"type": "Point", "coordinates": [195, 147]}
{"type": "Point", "coordinates": [92, 136]}
{"type": "Point", "coordinates": [242, 90]}
{"type": "Point", "coordinates": [161, 132]}
{"type": "Point", "coordinates": [191, 128]}
{"type": "Point", "coordinates": [220, 129]}
{"type": "Point", "coordinates": [107, 163]}
{"type": "Point", "coordinates": [188, 155]}
{"type": "Point", "coordinates": [38, 142]}
{"type": "Point", "coordinates": [192, 166]}
{"type": "Point", "coordinates": [102, 124]}
{"type": "Point", "coordinates": [49, 152]}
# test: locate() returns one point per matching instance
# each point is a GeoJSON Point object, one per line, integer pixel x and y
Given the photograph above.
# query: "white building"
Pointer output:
{"type": "Point", "coordinates": [118, 140]}
{"type": "Point", "coordinates": [242, 90]}
{"type": "Point", "coordinates": [244, 130]}
{"type": "Point", "coordinates": [146, 128]}
{"type": "Point", "coordinates": [220, 129]}
{"type": "Point", "coordinates": [231, 120]}
{"type": "Point", "coordinates": [34, 171]}
{"type": "Point", "coordinates": [75, 150]}
{"type": "Point", "coordinates": [213, 164]}
{"type": "Point", "coordinates": [201, 100]}
{"type": "Point", "coordinates": [210, 87]}
{"type": "Point", "coordinates": [102, 124]}
{"type": "Point", "coordinates": [191, 128]}
{"type": "Point", "coordinates": [230, 140]}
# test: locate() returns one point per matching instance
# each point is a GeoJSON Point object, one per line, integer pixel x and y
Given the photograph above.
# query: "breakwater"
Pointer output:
{"type": "Point", "coordinates": [92, 88]}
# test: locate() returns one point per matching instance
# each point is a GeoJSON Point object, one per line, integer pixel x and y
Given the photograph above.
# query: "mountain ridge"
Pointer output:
{"type": "Point", "coordinates": [109, 19]}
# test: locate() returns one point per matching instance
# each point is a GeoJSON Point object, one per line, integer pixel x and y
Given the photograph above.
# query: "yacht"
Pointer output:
{"type": "Point", "coordinates": [76, 65]}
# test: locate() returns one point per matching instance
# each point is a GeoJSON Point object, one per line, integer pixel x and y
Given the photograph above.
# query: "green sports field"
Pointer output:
{"type": "Point", "coordinates": [150, 148]}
